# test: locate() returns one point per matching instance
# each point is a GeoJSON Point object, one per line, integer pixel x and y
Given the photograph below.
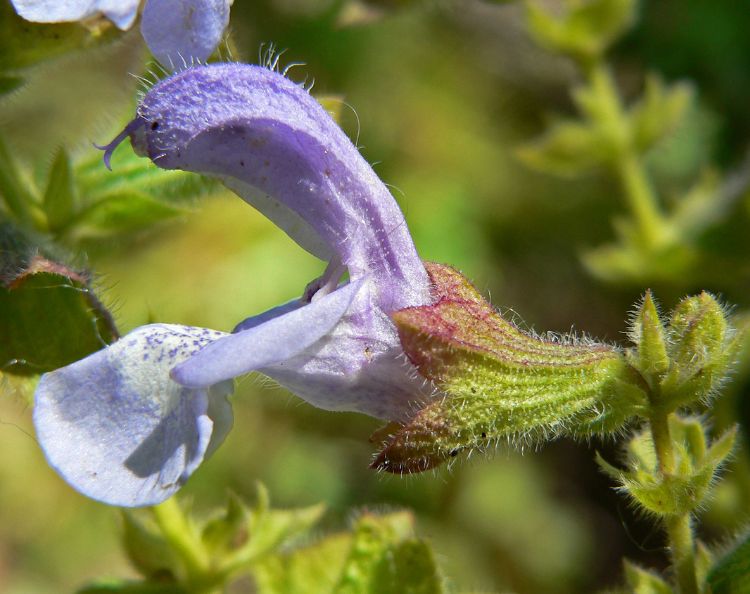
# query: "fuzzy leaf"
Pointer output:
{"type": "Point", "coordinates": [49, 315]}
{"type": "Point", "coordinates": [499, 382]}
{"type": "Point", "coordinates": [695, 468]}
{"type": "Point", "coordinates": [647, 332]}
{"type": "Point", "coordinates": [731, 572]}
{"type": "Point", "coordinates": [135, 195]}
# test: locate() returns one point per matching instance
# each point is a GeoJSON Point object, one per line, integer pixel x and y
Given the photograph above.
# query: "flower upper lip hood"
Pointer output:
{"type": "Point", "coordinates": [267, 139]}
{"type": "Point", "coordinates": [160, 392]}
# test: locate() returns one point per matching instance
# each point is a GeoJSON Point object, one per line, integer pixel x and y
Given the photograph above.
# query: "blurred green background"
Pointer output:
{"type": "Point", "coordinates": [439, 94]}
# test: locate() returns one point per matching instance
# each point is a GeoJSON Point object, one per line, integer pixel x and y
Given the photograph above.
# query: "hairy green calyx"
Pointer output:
{"type": "Point", "coordinates": [500, 382]}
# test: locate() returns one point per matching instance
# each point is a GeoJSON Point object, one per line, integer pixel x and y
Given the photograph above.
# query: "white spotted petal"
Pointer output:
{"type": "Point", "coordinates": [119, 430]}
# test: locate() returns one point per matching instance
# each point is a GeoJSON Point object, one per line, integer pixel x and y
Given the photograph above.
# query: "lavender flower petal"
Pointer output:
{"type": "Point", "coordinates": [119, 430]}
{"type": "Point", "coordinates": [182, 32]}
{"type": "Point", "coordinates": [121, 12]}
{"type": "Point", "coordinates": [269, 343]}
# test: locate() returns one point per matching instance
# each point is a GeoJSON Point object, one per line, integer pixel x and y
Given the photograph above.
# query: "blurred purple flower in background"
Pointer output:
{"type": "Point", "coordinates": [178, 32]}
{"type": "Point", "coordinates": [128, 424]}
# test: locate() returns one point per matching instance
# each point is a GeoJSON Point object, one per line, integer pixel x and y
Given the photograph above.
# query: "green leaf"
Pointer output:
{"type": "Point", "coordinates": [59, 197]}
{"type": "Point", "coordinates": [229, 531]}
{"type": "Point", "coordinates": [121, 213]}
{"type": "Point", "coordinates": [567, 149]}
{"type": "Point", "coordinates": [135, 195]}
{"type": "Point", "coordinates": [731, 572]}
{"type": "Point", "coordinates": [648, 334]}
{"type": "Point", "coordinates": [696, 466]}
{"type": "Point", "coordinates": [131, 173]}
{"type": "Point", "coordinates": [272, 528]}
{"type": "Point", "coordinates": [500, 382]}
{"type": "Point", "coordinates": [19, 198]}
{"type": "Point", "coordinates": [659, 112]}
{"type": "Point", "coordinates": [381, 556]}
{"type": "Point", "coordinates": [641, 581]}
{"type": "Point", "coordinates": [49, 314]}
{"type": "Point", "coordinates": [385, 558]}
{"type": "Point", "coordinates": [313, 569]}
{"type": "Point", "coordinates": [584, 30]}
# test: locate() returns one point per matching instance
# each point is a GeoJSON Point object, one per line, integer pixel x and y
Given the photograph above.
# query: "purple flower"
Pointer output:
{"type": "Point", "coordinates": [128, 425]}
{"type": "Point", "coordinates": [178, 32]}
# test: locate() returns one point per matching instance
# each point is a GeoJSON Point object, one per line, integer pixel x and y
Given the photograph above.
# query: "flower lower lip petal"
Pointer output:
{"type": "Point", "coordinates": [118, 429]}
{"type": "Point", "coordinates": [122, 13]}
{"type": "Point", "coordinates": [274, 341]}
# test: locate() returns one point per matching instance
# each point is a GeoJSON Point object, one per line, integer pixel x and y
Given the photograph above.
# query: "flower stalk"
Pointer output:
{"type": "Point", "coordinates": [678, 527]}
{"type": "Point", "coordinates": [179, 534]}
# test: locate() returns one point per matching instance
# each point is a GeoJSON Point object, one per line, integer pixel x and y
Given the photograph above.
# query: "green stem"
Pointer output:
{"type": "Point", "coordinates": [627, 163]}
{"type": "Point", "coordinates": [679, 529]}
{"type": "Point", "coordinates": [181, 537]}
{"type": "Point", "coordinates": [641, 198]}
{"type": "Point", "coordinates": [681, 544]}
{"type": "Point", "coordinates": [662, 442]}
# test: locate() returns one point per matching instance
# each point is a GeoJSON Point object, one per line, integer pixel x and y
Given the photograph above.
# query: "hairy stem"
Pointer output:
{"type": "Point", "coordinates": [678, 527]}
{"type": "Point", "coordinates": [682, 547]}
{"type": "Point", "coordinates": [662, 439]}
